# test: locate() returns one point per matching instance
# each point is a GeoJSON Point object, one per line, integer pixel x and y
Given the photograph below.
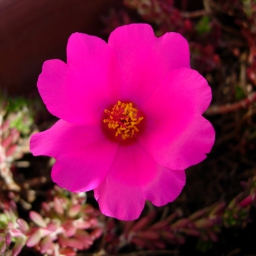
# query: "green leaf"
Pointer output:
{"type": "Point", "coordinates": [239, 93]}
{"type": "Point", "coordinates": [203, 26]}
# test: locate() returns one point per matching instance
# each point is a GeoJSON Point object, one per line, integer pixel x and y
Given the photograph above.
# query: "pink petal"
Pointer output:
{"type": "Point", "coordinates": [79, 91]}
{"type": "Point", "coordinates": [177, 136]}
{"type": "Point", "coordinates": [37, 218]}
{"type": "Point", "coordinates": [63, 138]}
{"type": "Point", "coordinates": [84, 155]}
{"type": "Point", "coordinates": [165, 187]}
{"type": "Point", "coordinates": [119, 201]}
{"type": "Point", "coordinates": [144, 58]}
{"type": "Point", "coordinates": [133, 178]}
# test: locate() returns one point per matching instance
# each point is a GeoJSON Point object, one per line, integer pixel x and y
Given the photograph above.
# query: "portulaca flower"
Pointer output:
{"type": "Point", "coordinates": [130, 118]}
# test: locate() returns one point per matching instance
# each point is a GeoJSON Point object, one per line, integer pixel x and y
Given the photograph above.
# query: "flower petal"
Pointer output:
{"type": "Point", "coordinates": [133, 178]}
{"type": "Point", "coordinates": [77, 150]}
{"type": "Point", "coordinates": [144, 58]}
{"type": "Point", "coordinates": [176, 134]}
{"type": "Point", "coordinates": [82, 171]}
{"type": "Point", "coordinates": [63, 138]}
{"type": "Point", "coordinates": [80, 90]}
{"type": "Point", "coordinates": [119, 200]}
{"type": "Point", "coordinates": [165, 187]}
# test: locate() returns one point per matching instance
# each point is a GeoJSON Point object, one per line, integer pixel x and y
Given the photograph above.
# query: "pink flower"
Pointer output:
{"type": "Point", "coordinates": [130, 118]}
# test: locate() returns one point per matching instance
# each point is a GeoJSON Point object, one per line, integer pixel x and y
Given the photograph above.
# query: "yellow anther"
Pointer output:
{"type": "Point", "coordinates": [123, 117]}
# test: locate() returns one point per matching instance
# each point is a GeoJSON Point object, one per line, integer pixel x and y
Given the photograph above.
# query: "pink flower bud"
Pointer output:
{"type": "Point", "coordinates": [23, 225]}
{"type": "Point", "coordinates": [82, 224]}
{"type": "Point", "coordinates": [58, 206]}
{"type": "Point", "coordinates": [45, 244]}
{"type": "Point", "coordinates": [13, 207]}
{"type": "Point", "coordinates": [34, 238]}
{"type": "Point", "coordinates": [94, 222]}
{"type": "Point", "coordinates": [14, 233]}
{"type": "Point", "coordinates": [10, 151]}
{"type": "Point", "coordinates": [5, 126]}
{"type": "Point", "coordinates": [37, 218]}
{"type": "Point", "coordinates": [73, 243]}
{"type": "Point", "coordinates": [7, 141]}
{"type": "Point", "coordinates": [96, 233]}
{"type": "Point", "coordinates": [45, 232]}
{"type": "Point", "coordinates": [52, 226]}
{"type": "Point", "coordinates": [248, 200]}
{"type": "Point", "coordinates": [74, 210]}
{"type": "Point", "coordinates": [69, 228]}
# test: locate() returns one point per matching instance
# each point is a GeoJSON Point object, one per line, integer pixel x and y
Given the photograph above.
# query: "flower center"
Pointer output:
{"type": "Point", "coordinates": [124, 119]}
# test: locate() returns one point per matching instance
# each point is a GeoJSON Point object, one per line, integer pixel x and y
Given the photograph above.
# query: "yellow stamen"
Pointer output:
{"type": "Point", "coordinates": [124, 119]}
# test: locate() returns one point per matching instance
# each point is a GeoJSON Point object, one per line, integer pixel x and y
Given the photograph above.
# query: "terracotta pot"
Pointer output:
{"type": "Point", "coordinates": [34, 31]}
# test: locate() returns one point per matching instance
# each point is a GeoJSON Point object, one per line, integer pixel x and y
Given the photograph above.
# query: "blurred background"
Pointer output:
{"type": "Point", "coordinates": [34, 31]}
{"type": "Point", "coordinates": [215, 213]}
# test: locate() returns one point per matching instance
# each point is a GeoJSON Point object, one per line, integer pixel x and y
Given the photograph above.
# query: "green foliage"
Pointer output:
{"type": "Point", "coordinates": [239, 93]}
{"type": "Point", "coordinates": [20, 114]}
{"type": "Point", "coordinates": [203, 26]}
